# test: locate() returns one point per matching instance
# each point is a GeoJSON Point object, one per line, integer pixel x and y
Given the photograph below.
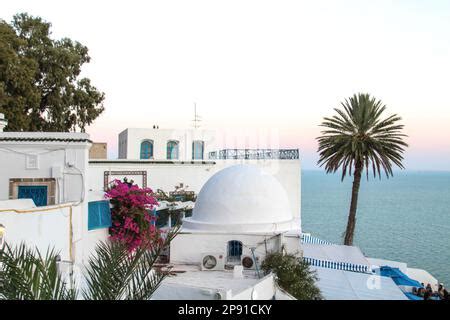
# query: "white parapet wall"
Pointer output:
{"type": "Point", "coordinates": [216, 285]}
{"type": "Point", "coordinates": [47, 227]}
{"type": "Point", "coordinates": [265, 289]}
{"type": "Point", "coordinates": [189, 248]}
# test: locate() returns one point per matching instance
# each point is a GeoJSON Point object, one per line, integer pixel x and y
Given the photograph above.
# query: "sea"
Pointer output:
{"type": "Point", "coordinates": [404, 218]}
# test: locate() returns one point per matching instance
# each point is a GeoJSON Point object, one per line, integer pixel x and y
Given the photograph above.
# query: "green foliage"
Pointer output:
{"type": "Point", "coordinates": [359, 135]}
{"type": "Point", "coordinates": [26, 275]}
{"type": "Point", "coordinates": [293, 275]}
{"type": "Point", "coordinates": [113, 273]}
{"type": "Point", "coordinates": [40, 88]}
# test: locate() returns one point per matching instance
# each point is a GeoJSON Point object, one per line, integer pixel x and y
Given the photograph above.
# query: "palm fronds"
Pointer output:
{"type": "Point", "coordinates": [358, 135]}
{"type": "Point", "coordinates": [27, 275]}
{"type": "Point", "coordinates": [113, 273]}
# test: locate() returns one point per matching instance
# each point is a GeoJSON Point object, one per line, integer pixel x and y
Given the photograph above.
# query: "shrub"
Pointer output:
{"type": "Point", "coordinates": [132, 221]}
{"type": "Point", "coordinates": [293, 275]}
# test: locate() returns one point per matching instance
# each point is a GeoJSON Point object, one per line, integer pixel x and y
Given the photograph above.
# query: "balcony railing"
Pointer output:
{"type": "Point", "coordinates": [250, 154]}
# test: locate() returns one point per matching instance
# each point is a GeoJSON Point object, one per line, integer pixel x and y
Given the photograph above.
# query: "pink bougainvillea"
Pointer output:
{"type": "Point", "coordinates": [132, 220]}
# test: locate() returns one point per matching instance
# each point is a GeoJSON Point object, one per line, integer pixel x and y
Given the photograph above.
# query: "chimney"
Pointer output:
{"type": "Point", "coordinates": [3, 122]}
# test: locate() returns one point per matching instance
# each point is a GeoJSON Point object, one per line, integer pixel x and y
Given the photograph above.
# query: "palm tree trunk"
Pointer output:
{"type": "Point", "coordinates": [349, 232]}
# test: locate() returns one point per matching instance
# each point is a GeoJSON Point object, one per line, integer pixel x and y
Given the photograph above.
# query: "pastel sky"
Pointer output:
{"type": "Point", "coordinates": [262, 65]}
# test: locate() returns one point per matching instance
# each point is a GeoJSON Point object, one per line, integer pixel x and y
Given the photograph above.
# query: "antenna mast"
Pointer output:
{"type": "Point", "coordinates": [197, 118]}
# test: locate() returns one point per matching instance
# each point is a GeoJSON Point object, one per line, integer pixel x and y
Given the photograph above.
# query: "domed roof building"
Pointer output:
{"type": "Point", "coordinates": [241, 199]}
{"type": "Point", "coordinates": [241, 214]}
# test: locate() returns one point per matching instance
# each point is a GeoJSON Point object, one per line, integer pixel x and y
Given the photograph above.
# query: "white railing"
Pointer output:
{"type": "Point", "coordinates": [252, 154]}
{"type": "Point", "coordinates": [306, 238]}
{"type": "Point", "coordinates": [345, 266]}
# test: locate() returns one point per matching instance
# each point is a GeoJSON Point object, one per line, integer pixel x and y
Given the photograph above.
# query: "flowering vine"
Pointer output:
{"type": "Point", "coordinates": [132, 221]}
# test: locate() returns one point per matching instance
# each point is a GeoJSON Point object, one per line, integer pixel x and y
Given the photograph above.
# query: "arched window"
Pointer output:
{"type": "Point", "coordinates": [197, 150]}
{"type": "Point", "coordinates": [172, 150]}
{"type": "Point", "coordinates": [147, 149]}
{"type": "Point", "coordinates": [234, 251]}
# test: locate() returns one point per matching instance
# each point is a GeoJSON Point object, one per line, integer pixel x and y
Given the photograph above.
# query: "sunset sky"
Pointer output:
{"type": "Point", "coordinates": [278, 65]}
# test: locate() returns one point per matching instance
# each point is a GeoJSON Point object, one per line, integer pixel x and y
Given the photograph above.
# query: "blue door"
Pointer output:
{"type": "Point", "coordinates": [234, 251]}
{"type": "Point", "coordinates": [37, 193]}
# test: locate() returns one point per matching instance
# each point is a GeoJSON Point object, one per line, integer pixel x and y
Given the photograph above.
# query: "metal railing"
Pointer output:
{"type": "Point", "coordinates": [345, 266]}
{"type": "Point", "coordinates": [249, 154]}
{"type": "Point", "coordinates": [306, 238]}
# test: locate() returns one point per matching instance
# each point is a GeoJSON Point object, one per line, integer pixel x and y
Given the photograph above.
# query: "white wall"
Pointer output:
{"type": "Point", "coordinates": [165, 175]}
{"type": "Point", "coordinates": [52, 151]}
{"type": "Point", "coordinates": [13, 158]}
{"type": "Point", "coordinates": [159, 175]}
{"type": "Point", "coordinates": [263, 290]}
{"type": "Point", "coordinates": [171, 291]}
{"type": "Point", "coordinates": [131, 138]}
{"type": "Point", "coordinates": [41, 227]}
{"type": "Point", "coordinates": [187, 248]}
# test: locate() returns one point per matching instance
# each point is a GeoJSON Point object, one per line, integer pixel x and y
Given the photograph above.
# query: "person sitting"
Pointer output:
{"type": "Point", "coordinates": [420, 292]}
{"type": "Point", "coordinates": [441, 290]}
{"type": "Point", "coordinates": [429, 289]}
{"type": "Point", "coordinates": [426, 295]}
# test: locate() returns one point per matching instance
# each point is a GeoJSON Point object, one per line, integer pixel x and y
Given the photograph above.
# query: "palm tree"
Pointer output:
{"type": "Point", "coordinates": [25, 274]}
{"type": "Point", "coordinates": [112, 272]}
{"type": "Point", "coordinates": [358, 137]}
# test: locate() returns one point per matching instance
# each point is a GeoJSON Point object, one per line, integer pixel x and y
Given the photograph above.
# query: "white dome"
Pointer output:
{"type": "Point", "coordinates": [244, 199]}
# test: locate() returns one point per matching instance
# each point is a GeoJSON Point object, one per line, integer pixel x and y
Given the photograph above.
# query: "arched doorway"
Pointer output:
{"type": "Point", "coordinates": [234, 251]}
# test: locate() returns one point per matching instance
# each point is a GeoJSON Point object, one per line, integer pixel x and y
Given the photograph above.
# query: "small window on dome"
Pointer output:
{"type": "Point", "coordinates": [234, 251]}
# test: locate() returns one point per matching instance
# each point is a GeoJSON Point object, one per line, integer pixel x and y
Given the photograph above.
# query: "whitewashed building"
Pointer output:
{"type": "Point", "coordinates": [165, 158]}
{"type": "Point", "coordinates": [165, 144]}
{"type": "Point", "coordinates": [43, 192]}
{"type": "Point", "coordinates": [241, 214]}
{"type": "Point", "coordinates": [248, 204]}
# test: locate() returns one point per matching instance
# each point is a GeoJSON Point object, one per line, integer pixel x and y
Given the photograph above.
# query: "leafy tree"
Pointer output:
{"type": "Point", "coordinates": [359, 137]}
{"type": "Point", "coordinates": [40, 87]}
{"type": "Point", "coordinates": [293, 275]}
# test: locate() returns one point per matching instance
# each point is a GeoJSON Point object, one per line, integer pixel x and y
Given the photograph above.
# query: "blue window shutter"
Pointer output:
{"type": "Point", "coordinates": [197, 150]}
{"type": "Point", "coordinates": [37, 193]}
{"type": "Point", "coordinates": [172, 150]}
{"type": "Point", "coordinates": [147, 149]}
{"type": "Point", "coordinates": [99, 215]}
